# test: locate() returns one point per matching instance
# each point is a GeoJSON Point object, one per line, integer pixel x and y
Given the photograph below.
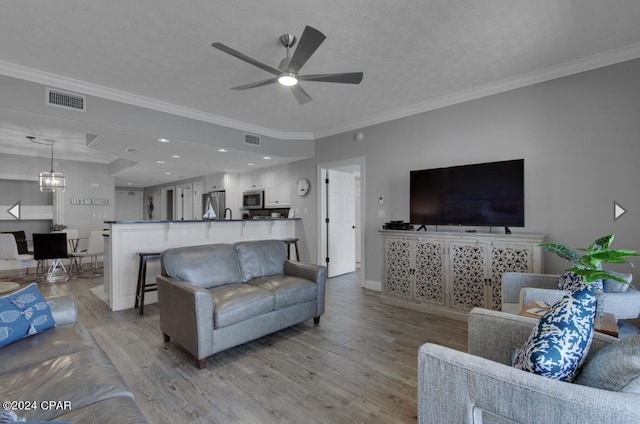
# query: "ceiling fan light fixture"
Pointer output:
{"type": "Point", "coordinates": [288, 80]}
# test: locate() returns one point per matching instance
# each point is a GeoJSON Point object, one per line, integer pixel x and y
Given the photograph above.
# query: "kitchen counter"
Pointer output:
{"type": "Point", "coordinates": [127, 238]}
{"type": "Point", "coordinates": [148, 221]}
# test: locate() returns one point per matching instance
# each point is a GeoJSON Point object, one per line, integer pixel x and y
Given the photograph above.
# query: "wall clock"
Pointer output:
{"type": "Point", "coordinates": [302, 186]}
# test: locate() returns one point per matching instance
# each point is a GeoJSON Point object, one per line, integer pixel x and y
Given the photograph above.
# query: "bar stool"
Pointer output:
{"type": "Point", "coordinates": [142, 286]}
{"type": "Point", "coordinates": [289, 242]}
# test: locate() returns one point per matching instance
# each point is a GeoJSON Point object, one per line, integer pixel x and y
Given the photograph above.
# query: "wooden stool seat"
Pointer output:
{"type": "Point", "coordinates": [142, 286]}
{"type": "Point", "coordinates": [289, 242]}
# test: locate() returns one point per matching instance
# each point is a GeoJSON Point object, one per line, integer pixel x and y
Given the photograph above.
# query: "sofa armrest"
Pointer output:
{"type": "Point", "coordinates": [186, 315]}
{"type": "Point", "coordinates": [311, 272]}
{"type": "Point", "coordinates": [64, 309]}
{"type": "Point", "coordinates": [512, 282]}
{"type": "Point", "coordinates": [456, 387]}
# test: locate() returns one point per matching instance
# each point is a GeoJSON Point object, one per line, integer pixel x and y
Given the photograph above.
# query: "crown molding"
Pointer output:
{"type": "Point", "coordinates": [83, 87]}
{"type": "Point", "coordinates": [588, 63]}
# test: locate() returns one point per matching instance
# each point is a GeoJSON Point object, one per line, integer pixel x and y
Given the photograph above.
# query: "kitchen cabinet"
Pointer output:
{"type": "Point", "coordinates": [253, 180]}
{"type": "Point", "coordinates": [277, 192]}
{"type": "Point", "coordinates": [215, 182]}
{"type": "Point", "coordinates": [451, 273]}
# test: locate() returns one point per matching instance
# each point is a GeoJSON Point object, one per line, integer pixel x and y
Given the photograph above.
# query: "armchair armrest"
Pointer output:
{"type": "Point", "coordinates": [512, 282]}
{"type": "Point", "coordinates": [186, 315]}
{"type": "Point", "coordinates": [549, 296]}
{"type": "Point", "coordinates": [64, 309]}
{"type": "Point", "coordinates": [456, 387]}
{"type": "Point", "coordinates": [494, 334]}
{"type": "Point", "coordinates": [311, 272]}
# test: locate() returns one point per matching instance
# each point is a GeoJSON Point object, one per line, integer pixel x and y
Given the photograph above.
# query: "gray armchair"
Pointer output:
{"type": "Point", "coordinates": [480, 387]}
{"type": "Point", "coordinates": [520, 288]}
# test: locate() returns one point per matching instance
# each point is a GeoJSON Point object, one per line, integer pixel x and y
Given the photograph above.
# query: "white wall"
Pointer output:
{"type": "Point", "coordinates": [579, 136]}
{"type": "Point", "coordinates": [83, 179]}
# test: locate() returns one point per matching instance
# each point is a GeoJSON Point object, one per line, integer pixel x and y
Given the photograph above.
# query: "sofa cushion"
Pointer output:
{"type": "Point", "coordinates": [115, 410]}
{"type": "Point", "coordinates": [261, 258]}
{"type": "Point", "coordinates": [288, 290]}
{"type": "Point", "coordinates": [56, 342]}
{"type": "Point", "coordinates": [561, 340]}
{"type": "Point", "coordinates": [22, 314]}
{"type": "Point", "coordinates": [238, 302]}
{"type": "Point", "coordinates": [202, 266]}
{"type": "Point", "coordinates": [615, 367]}
{"type": "Point", "coordinates": [81, 378]}
{"type": "Point", "coordinates": [613, 286]}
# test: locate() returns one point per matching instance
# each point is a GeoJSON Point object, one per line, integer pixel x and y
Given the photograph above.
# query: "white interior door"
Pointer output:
{"type": "Point", "coordinates": [341, 224]}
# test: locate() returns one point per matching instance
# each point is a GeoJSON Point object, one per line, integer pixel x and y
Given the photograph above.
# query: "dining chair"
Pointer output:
{"type": "Point", "coordinates": [21, 241]}
{"type": "Point", "coordinates": [95, 248]}
{"type": "Point", "coordinates": [72, 238]}
{"type": "Point", "coordinates": [9, 251]}
{"type": "Point", "coordinates": [51, 246]}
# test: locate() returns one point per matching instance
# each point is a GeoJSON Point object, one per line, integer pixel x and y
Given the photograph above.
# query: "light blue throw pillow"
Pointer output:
{"type": "Point", "coordinates": [22, 314]}
{"type": "Point", "coordinates": [560, 342]}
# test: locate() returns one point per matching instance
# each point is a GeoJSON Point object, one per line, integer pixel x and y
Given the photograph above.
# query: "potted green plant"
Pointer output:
{"type": "Point", "coordinates": [588, 265]}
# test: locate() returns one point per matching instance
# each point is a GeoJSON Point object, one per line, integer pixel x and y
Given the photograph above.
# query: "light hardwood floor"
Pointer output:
{"type": "Point", "coordinates": [358, 366]}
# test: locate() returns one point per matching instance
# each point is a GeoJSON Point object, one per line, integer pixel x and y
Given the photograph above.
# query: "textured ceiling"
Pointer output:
{"type": "Point", "coordinates": [413, 53]}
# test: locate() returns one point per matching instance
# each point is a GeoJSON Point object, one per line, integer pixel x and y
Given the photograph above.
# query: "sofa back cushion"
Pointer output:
{"type": "Point", "coordinates": [261, 258]}
{"type": "Point", "coordinates": [202, 266]}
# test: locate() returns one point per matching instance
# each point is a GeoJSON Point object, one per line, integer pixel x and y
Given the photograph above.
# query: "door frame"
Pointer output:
{"type": "Point", "coordinates": [321, 202]}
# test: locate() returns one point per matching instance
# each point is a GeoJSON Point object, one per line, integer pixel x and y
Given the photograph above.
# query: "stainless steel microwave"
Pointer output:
{"type": "Point", "coordinates": [253, 199]}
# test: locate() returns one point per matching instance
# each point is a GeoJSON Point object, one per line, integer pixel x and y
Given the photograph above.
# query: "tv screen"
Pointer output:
{"type": "Point", "coordinates": [484, 194]}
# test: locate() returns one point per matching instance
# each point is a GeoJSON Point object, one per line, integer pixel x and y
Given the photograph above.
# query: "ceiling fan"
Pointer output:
{"type": "Point", "coordinates": [287, 72]}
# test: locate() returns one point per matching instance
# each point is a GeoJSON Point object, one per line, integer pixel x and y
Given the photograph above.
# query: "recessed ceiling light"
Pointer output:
{"type": "Point", "coordinates": [175, 156]}
{"type": "Point", "coordinates": [266, 157]}
{"type": "Point", "coordinates": [129, 183]}
{"type": "Point", "coordinates": [130, 150]}
{"type": "Point", "coordinates": [167, 173]}
{"type": "Point", "coordinates": [222, 150]}
{"type": "Point", "coordinates": [251, 164]}
{"type": "Point", "coordinates": [164, 140]}
{"type": "Point", "coordinates": [160, 161]}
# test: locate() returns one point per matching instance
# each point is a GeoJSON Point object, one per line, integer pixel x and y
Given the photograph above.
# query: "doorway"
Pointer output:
{"type": "Point", "coordinates": [340, 200]}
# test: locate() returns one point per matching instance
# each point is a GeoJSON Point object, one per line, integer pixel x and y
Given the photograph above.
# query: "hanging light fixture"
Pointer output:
{"type": "Point", "coordinates": [50, 180]}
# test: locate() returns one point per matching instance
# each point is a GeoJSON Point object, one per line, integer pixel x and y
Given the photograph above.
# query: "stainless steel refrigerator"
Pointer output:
{"type": "Point", "coordinates": [213, 204]}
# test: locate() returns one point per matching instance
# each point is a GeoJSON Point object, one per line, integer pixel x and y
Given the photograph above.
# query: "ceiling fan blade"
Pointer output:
{"type": "Point", "coordinates": [301, 96]}
{"type": "Point", "coordinates": [309, 41]}
{"type": "Point", "coordinates": [256, 84]}
{"type": "Point", "coordinates": [246, 58]}
{"type": "Point", "coordinates": [344, 78]}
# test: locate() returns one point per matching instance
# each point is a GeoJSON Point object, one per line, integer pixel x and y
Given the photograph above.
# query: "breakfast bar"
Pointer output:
{"type": "Point", "coordinates": [128, 238]}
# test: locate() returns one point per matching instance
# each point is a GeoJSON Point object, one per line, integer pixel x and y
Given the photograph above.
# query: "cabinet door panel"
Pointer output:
{"type": "Point", "coordinates": [398, 268]}
{"type": "Point", "coordinates": [467, 275]}
{"type": "Point", "coordinates": [507, 258]}
{"type": "Point", "coordinates": [429, 272]}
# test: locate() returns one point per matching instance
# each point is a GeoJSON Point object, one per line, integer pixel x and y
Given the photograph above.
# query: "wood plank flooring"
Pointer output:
{"type": "Point", "coordinates": [358, 366]}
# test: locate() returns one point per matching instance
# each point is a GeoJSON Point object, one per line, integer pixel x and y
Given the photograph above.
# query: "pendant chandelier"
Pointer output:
{"type": "Point", "coordinates": [50, 180]}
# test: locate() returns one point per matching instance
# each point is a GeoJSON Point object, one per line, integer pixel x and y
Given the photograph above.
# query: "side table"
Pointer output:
{"type": "Point", "coordinates": [605, 324]}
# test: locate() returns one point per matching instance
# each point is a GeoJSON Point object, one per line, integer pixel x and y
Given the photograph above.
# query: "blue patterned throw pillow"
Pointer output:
{"type": "Point", "coordinates": [23, 314]}
{"type": "Point", "coordinates": [560, 342]}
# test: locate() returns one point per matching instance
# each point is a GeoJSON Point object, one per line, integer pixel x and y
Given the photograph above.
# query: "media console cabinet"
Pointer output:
{"type": "Point", "coordinates": [449, 273]}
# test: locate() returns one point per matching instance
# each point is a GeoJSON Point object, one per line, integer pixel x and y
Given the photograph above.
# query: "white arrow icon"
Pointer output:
{"type": "Point", "coordinates": [14, 211]}
{"type": "Point", "coordinates": [618, 211]}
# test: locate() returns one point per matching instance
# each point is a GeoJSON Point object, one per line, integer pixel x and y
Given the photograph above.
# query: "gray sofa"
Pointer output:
{"type": "Point", "coordinates": [65, 364]}
{"type": "Point", "coordinates": [214, 297]}
{"type": "Point", "coordinates": [480, 386]}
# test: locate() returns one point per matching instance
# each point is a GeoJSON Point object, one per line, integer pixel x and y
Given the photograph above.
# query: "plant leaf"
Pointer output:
{"type": "Point", "coordinates": [561, 250]}
{"type": "Point", "coordinates": [594, 275]}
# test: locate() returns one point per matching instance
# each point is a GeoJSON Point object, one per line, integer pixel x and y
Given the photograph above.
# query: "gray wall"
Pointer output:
{"type": "Point", "coordinates": [579, 136]}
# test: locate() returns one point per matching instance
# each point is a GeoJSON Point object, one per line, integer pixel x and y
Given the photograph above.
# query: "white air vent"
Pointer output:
{"type": "Point", "coordinates": [66, 100]}
{"type": "Point", "coordinates": [251, 139]}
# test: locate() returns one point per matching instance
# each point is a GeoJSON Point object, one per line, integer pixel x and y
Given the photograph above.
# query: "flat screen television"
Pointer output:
{"type": "Point", "coordinates": [484, 194]}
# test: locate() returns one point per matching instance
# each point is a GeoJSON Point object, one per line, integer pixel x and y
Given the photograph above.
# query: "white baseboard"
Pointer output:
{"type": "Point", "coordinates": [373, 285]}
